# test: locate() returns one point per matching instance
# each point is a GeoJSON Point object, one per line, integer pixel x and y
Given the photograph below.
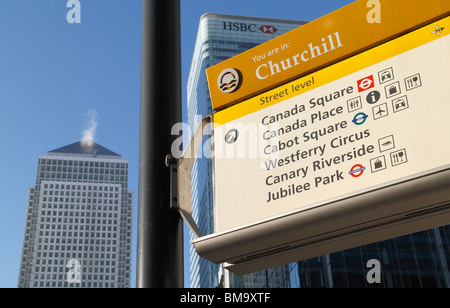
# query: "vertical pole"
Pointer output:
{"type": "Point", "coordinates": [160, 230]}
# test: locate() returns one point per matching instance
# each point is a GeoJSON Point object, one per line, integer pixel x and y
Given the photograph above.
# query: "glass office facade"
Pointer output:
{"type": "Point", "coordinates": [418, 260]}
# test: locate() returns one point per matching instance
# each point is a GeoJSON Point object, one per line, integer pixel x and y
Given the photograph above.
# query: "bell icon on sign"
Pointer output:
{"type": "Point", "coordinates": [378, 164]}
{"type": "Point", "coordinates": [392, 90]}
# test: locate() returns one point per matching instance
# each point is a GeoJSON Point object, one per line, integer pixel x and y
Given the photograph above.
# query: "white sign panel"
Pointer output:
{"type": "Point", "coordinates": [315, 140]}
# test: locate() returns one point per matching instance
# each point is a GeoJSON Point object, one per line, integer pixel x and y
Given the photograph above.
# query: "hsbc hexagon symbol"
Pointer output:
{"type": "Point", "coordinates": [268, 29]}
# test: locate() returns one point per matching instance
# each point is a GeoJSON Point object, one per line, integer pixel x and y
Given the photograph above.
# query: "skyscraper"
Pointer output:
{"type": "Point", "coordinates": [79, 221]}
{"type": "Point", "coordinates": [221, 37]}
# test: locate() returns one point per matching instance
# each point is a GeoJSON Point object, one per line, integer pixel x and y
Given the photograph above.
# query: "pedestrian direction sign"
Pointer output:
{"type": "Point", "coordinates": [307, 148]}
{"type": "Point", "coordinates": [367, 131]}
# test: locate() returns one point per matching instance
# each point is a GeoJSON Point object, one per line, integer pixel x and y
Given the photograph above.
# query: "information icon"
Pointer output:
{"type": "Point", "coordinates": [373, 97]}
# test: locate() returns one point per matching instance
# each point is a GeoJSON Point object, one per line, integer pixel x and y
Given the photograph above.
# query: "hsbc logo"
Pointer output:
{"type": "Point", "coordinates": [268, 29]}
{"type": "Point", "coordinates": [242, 27]}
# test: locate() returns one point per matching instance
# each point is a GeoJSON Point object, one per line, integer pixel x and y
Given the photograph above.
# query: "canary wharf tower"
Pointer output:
{"type": "Point", "coordinates": [79, 221]}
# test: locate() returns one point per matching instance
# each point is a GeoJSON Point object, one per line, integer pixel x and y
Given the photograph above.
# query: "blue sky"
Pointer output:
{"type": "Point", "coordinates": [52, 73]}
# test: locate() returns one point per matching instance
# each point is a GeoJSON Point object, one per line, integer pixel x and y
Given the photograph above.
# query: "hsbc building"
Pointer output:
{"type": "Point", "coordinates": [221, 37]}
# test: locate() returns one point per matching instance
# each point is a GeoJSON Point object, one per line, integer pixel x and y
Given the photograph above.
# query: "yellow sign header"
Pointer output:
{"type": "Point", "coordinates": [324, 76]}
{"type": "Point", "coordinates": [350, 30]}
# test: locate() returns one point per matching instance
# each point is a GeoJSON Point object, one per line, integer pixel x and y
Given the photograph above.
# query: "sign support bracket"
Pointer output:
{"type": "Point", "coordinates": [180, 177]}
